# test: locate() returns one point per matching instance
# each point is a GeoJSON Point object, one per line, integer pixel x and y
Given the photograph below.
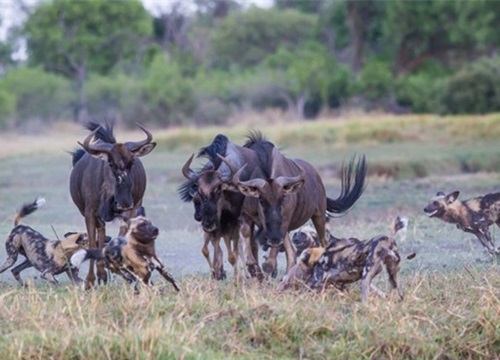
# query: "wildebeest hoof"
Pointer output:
{"type": "Point", "coordinates": [270, 268]}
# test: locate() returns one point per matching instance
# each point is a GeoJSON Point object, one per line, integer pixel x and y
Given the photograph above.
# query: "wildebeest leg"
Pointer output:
{"type": "Point", "coordinates": [205, 251]}
{"type": "Point", "coordinates": [270, 266]}
{"type": "Point", "coordinates": [319, 221]}
{"type": "Point", "coordinates": [90, 222]}
{"type": "Point", "coordinates": [252, 249]}
{"type": "Point", "coordinates": [102, 275]}
{"type": "Point", "coordinates": [26, 264]}
{"type": "Point", "coordinates": [231, 241]}
{"type": "Point", "coordinates": [218, 269]}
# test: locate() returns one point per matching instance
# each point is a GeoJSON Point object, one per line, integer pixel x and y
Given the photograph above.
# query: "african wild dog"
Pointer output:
{"type": "Point", "coordinates": [133, 256]}
{"type": "Point", "coordinates": [347, 260]}
{"type": "Point", "coordinates": [473, 216]}
{"type": "Point", "coordinates": [50, 257]}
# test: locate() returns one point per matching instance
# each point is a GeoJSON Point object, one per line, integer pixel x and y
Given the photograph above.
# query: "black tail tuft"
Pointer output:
{"type": "Point", "coordinates": [353, 185]}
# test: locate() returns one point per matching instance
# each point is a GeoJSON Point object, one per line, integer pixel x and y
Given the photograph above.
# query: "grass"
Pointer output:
{"type": "Point", "coordinates": [451, 305]}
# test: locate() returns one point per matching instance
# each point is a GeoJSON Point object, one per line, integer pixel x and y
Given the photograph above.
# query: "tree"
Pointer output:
{"type": "Point", "coordinates": [245, 39]}
{"type": "Point", "coordinates": [73, 38]}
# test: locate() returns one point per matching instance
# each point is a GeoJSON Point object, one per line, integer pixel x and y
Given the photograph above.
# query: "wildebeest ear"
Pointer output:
{"type": "Point", "coordinates": [293, 187]}
{"type": "Point", "coordinates": [451, 197]}
{"type": "Point", "coordinates": [246, 190]}
{"type": "Point", "coordinates": [144, 150]}
{"type": "Point", "coordinates": [229, 186]}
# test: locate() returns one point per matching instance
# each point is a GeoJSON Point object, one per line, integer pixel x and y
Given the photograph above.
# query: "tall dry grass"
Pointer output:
{"type": "Point", "coordinates": [444, 315]}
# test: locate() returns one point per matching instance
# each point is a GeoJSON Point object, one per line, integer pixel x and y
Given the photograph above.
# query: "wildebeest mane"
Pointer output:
{"type": "Point", "coordinates": [350, 192]}
{"type": "Point", "coordinates": [217, 147]}
{"type": "Point", "coordinates": [105, 132]}
{"type": "Point", "coordinates": [263, 148]}
{"type": "Point", "coordinates": [76, 155]}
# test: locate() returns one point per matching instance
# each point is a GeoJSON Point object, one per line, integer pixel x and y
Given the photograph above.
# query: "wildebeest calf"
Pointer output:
{"type": "Point", "coordinates": [474, 215]}
{"type": "Point", "coordinates": [347, 260]}
{"type": "Point", "coordinates": [50, 257]}
{"type": "Point", "coordinates": [133, 256]}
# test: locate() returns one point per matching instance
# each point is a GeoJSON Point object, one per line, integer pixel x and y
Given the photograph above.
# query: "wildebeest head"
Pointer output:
{"type": "Point", "coordinates": [439, 204]}
{"type": "Point", "coordinates": [271, 195]}
{"type": "Point", "coordinates": [207, 194]}
{"type": "Point", "coordinates": [120, 159]}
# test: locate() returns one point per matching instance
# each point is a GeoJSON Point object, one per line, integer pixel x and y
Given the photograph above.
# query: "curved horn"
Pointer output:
{"type": "Point", "coordinates": [187, 171]}
{"type": "Point", "coordinates": [257, 182]}
{"type": "Point", "coordinates": [134, 145]}
{"type": "Point", "coordinates": [95, 148]}
{"type": "Point", "coordinates": [286, 180]}
{"type": "Point", "coordinates": [236, 176]}
{"type": "Point", "coordinates": [232, 169]}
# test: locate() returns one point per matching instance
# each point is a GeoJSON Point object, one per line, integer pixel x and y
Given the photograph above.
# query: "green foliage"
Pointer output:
{"type": "Point", "coordinates": [37, 94]}
{"type": "Point", "coordinates": [375, 81]}
{"type": "Point", "coordinates": [7, 106]}
{"type": "Point", "coordinates": [244, 39]}
{"type": "Point", "coordinates": [473, 89]}
{"type": "Point", "coordinates": [63, 34]}
{"type": "Point", "coordinates": [167, 92]}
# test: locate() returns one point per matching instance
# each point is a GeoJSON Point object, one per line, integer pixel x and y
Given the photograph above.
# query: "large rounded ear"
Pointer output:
{"type": "Point", "coordinates": [451, 197]}
{"type": "Point", "coordinates": [252, 187]}
{"type": "Point", "coordinates": [144, 150]}
{"type": "Point", "coordinates": [83, 239]}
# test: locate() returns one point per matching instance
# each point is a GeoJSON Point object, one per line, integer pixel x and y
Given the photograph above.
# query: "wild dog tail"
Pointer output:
{"type": "Point", "coordinates": [400, 227]}
{"type": "Point", "coordinates": [82, 255]}
{"type": "Point", "coordinates": [27, 209]}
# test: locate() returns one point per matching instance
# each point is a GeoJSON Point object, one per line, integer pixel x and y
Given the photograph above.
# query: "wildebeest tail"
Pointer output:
{"type": "Point", "coordinates": [82, 255]}
{"type": "Point", "coordinates": [353, 185]}
{"type": "Point", "coordinates": [27, 209]}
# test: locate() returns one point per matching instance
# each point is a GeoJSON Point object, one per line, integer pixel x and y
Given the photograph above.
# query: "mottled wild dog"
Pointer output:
{"type": "Point", "coordinates": [133, 256]}
{"type": "Point", "coordinates": [473, 216]}
{"type": "Point", "coordinates": [50, 257]}
{"type": "Point", "coordinates": [347, 260]}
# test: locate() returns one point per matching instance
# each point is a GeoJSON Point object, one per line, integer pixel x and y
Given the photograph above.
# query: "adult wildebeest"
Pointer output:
{"type": "Point", "coordinates": [216, 205]}
{"type": "Point", "coordinates": [283, 194]}
{"type": "Point", "coordinates": [106, 182]}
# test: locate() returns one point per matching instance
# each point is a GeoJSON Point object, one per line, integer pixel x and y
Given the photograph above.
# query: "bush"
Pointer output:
{"type": "Point", "coordinates": [419, 92]}
{"type": "Point", "coordinates": [474, 89]}
{"type": "Point", "coordinates": [375, 81]}
{"type": "Point", "coordinates": [7, 107]}
{"type": "Point", "coordinates": [38, 94]}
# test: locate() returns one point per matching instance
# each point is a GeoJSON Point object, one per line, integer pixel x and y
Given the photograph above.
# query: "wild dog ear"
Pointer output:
{"type": "Point", "coordinates": [82, 239]}
{"type": "Point", "coordinates": [69, 233]}
{"type": "Point", "coordinates": [451, 197]}
{"type": "Point", "coordinates": [440, 193]}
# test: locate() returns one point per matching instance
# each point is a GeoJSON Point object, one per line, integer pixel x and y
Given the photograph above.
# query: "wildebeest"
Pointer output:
{"type": "Point", "coordinates": [283, 194]}
{"type": "Point", "coordinates": [133, 255]}
{"type": "Point", "coordinates": [218, 207]}
{"type": "Point", "coordinates": [106, 182]}
{"type": "Point", "coordinates": [50, 257]}
{"type": "Point", "coordinates": [473, 216]}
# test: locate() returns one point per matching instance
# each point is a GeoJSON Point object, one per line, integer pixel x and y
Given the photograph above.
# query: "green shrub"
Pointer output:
{"type": "Point", "coordinates": [7, 107]}
{"type": "Point", "coordinates": [419, 92]}
{"type": "Point", "coordinates": [38, 94]}
{"type": "Point", "coordinates": [474, 89]}
{"type": "Point", "coordinates": [375, 81]}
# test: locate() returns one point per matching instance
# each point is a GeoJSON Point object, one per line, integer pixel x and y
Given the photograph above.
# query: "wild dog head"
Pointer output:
{"type": "Point", "coordinates": [306, 237]}
{"type": "Point", "coordinates": [440, 204]}
{"type": "Point", "coordinates": [142, 230]}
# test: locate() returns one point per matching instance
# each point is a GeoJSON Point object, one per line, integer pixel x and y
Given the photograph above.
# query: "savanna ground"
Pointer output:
{"type": "Point", "coordinates": [451, 307]}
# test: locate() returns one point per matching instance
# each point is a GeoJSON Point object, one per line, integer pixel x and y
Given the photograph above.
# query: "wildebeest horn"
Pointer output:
{"type": "Point", "coordinates": [236, 176]}
{"type": "Point", "coordinates": [258, 183]}
{"type": "Point", "coordinates": [187, 171]}
{"type": "Point", "coordinates": [134, 145]}
{"type": "Point", "coordinates": [232, 169]}
{"type": "Point", "coordinates": [95, 148]}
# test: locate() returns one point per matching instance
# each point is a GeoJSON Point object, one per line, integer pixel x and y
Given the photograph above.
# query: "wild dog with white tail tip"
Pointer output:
{"type": "Point", "coordinates": [347, 260]}
{"type": "Point", "coordinates": [473, 216]}
{"type": "Point", "coordinates": [133, 256]}
{"type": "Point", "coordinates": [50, 257]}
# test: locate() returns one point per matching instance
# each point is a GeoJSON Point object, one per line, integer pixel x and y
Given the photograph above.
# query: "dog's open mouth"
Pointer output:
{"type": "Point", "coordinates": [432, 214]}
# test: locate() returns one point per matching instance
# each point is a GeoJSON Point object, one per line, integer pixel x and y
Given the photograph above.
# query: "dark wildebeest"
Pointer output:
{"type": "Point", "coordinates": [283, 194]}
{"type": "Point", "coordinates": [106, 182]}
{"type": "Point", "coordinates": [473, 216]}
{"type": "Point", "coordinates": [216, 206]}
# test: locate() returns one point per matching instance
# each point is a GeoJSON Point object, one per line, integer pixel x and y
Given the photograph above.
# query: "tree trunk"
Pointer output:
{"type": "Point", "coordinates": [357, 24]}
{"type": "Point", "coordinates": [80, 111]}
